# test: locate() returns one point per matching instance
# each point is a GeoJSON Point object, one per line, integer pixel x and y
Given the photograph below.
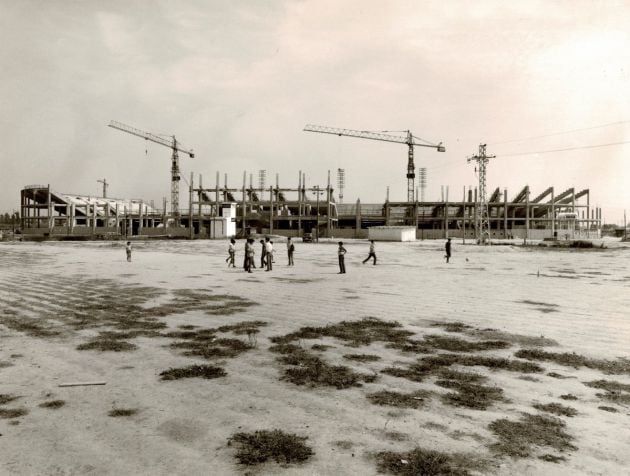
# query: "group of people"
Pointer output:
{"type": "Point", "coordinates": [266, 254]}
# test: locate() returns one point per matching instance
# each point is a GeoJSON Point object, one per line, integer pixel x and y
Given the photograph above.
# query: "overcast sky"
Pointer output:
{"type": "Point", "coordinates": [238, 80]}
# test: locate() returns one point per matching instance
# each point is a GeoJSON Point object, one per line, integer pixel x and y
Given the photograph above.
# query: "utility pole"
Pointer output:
{"type": "Point", "coordinates": [105, 185]}
{"type": "Point", "coordinates": [482, 222]}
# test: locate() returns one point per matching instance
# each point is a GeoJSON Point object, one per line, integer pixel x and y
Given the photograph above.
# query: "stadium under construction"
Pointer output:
{"type": "Point", "coordinates": [223, 211]}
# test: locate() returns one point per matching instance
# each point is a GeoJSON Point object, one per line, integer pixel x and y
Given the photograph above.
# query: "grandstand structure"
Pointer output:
{"type": "Point", "coordinates": [221, 211]}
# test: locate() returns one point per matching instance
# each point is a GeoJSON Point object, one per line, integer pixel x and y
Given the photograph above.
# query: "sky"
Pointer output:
{"type": "Point", "coordinates": [237, 81]}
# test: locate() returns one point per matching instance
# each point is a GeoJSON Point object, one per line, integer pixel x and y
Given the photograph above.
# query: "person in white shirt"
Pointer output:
{"type": "Point", "coordinates": [269, 252]}
{"type": "Point", "coordinates": [128, 250]}
{"type": "Point", "coordinates": [372, 253]}
{"type": "Point", "coordinates": [231, 252]}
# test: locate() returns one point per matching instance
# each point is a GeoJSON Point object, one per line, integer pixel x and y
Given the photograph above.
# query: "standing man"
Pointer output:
{"type": "Point", "coordinates": [290, 250]}
{"type": "Point", "coordinates": [128, 250]}
{"type": "Point", "coordinates": [263, 254]}
{"type": "Point", "coordinates": [269, 254]}
{"type": "Point", "coordinates": [372, 253]}
{"type": "Point", "coordinates": [447, 247]}
{"type": "Point", "coordinates": [341, 252]}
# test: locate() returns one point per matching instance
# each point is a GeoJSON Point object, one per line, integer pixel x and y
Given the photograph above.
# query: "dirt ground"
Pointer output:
{"type": "Point", "coordinates": [55, 297]}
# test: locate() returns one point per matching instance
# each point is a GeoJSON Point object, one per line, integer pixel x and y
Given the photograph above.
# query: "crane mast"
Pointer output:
{"type": "Point", "coordinates": [408, 139]}
{"type": "Point", "coordinates": [171, 144]}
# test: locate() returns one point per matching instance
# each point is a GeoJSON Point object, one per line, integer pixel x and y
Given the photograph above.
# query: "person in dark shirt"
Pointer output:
{"type": "Point", "coordinates": [341, 252]}
{"type": "Point", "coordinates": [447, 247]}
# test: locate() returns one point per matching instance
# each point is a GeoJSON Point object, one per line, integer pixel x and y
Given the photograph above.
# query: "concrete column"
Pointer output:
{"type": "Point", "coordinates": [191, 229]}
{"type": "Point", "coordinates": [464, 217]}
{"type": "Point", "coordinates": [357, 226]}
{"type": "Point", "coordinates": [50, 210]}
{"type": "Point", "coordinates": [505, 214]}
{"type": "Point", "coordinates": [270, 209]}
{"type": "Point", "coordinates": [300, 203]}
{"type": "Point", "coordinates": [527, 215]}
{"type": "Point", "coordinates": [553, 213]}
{"type": "Point", "coordinates": [94, 213]}
{"type": "Point", "coordinates": [328, 197]}
{"type": "Point", "coordinates": [243, 221]}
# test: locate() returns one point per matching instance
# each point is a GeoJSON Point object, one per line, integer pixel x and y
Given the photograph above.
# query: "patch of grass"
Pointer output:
{"type": "Point", "coordinates": [309, 369]}
{"type": "Point", "coordinates": [568, 396]}
{"type": "Point", "coordinates": [412, 346]}
{"type": "Point", "coordinates": [608, 409]}
{"type": "Point", "coordinates": [556, 409]}
{"type": "Point", "coordinates": [354, 333]}
{"type": "Point", "coordinates": [520, 339]}
{"type": "Point", "coordinates": [201, 371]}
{"type": "Point", "coordinates": [396, 436]}
{"type": "Point", "coordinates": [470, 395]}
{"type": "Point", "coordinates": [557, 375]}
{"type": "Point", "coordinates": [616, 392]}
{"type": "Point", "coordinates": [528, 378]}
{"type": "Point", "coordinates": [122, 412]}
{"type": "Point", "coordinates": [571, 359]}
{"type": "Point", "coordinates": [242, 328]}
{"type": "Point", "coordinates": [423, 462]}
{"type": "Point", "coordinates": [7, 413]}
{"type": "Point", "coordinates": [187, 327]}
{"type": "Point", "coordinates": [217, 348]}
{"type": "Point", "coordinates": [28, 326]}
{"type": "Point", "coordinates": [321, 347]}
{"type": "Point", "coordinates": [552, 458]}
{"type": "Point", "coordinates": [107, 345]}
{"type": "Point", "coordinates": [452, 326]}
{"type": "Point", "coordinates": [454, 344]}
{"type": "Point", "coordinates": [260, 446]}
{"type": "Point", "coordinates": [6, 398]}
{"type": "Point", "coordinates": [518, 439]}
{"type": "Point", "coordinates": [53, 404]}
{"type": "Point", "coordinates": [395, 399]}
{"type": "Point", "coordinates": [463, 377]}
{"type": "Point", "coordinates": [4, 364]}
{"type": "Point", "coordinates": [362, 357]}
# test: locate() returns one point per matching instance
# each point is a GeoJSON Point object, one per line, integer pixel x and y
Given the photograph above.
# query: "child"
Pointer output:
{"type": "Point", "coordinates": [128, 250]}
{"type": "Point", "coordinates": [372, 253]}
{"type": "Point", "coordinates": [341, 252]}
{"type": "Point", "coordinates": [447, 248]}
{"type": "Point", "coordinates": [231, 252]}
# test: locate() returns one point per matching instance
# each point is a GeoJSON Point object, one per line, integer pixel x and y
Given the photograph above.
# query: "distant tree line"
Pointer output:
{"type": "Point", "coordinates": [10, 219]}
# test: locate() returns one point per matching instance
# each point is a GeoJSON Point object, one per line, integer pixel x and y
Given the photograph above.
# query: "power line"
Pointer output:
{"type": "Point", "coordinates": [565, 149]}
{"type": "Point", "coordinates": [561, 133]}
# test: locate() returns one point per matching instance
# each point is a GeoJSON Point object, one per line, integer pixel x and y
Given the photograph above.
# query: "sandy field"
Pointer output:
{"type": "Point", "coordinates": [508, 360]}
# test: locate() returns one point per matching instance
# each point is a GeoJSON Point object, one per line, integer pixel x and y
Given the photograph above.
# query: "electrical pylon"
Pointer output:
{"type": "Point", "coordinates": [482, 223]}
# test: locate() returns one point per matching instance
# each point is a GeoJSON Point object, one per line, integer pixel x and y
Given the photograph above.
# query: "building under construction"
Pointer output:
{"type": "Point", "coordinates": [222, 211]}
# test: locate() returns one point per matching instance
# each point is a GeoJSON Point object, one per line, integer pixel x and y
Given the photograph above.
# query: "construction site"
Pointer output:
{"type": "Point", "coordinates": [299, 209]}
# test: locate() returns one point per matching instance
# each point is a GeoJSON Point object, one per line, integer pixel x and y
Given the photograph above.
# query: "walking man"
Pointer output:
{"type": "Point", "coordinates": [372, 253]}
{"type": "Point", "coordinates": [290, 250]}
{"type": "Point", "coordinates": [447, 247]}
{"type": "Point", "coordinates": [269, 254]}
{"type": "Point", "coordinates": [249, 252]}
{"type": "Point", "coordinates": [231, 252]}
{"type": "Point", "coordinates": [341, 252]}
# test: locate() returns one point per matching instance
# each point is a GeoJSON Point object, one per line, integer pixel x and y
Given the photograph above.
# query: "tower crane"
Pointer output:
{"type": "Point", "coordinates": [409, 139]}
{"type": "Point", "coordinates": [172, 144]}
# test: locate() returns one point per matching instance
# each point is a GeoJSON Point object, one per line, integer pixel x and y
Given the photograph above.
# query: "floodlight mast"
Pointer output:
{"type": "Point", "coordinates": [175, 147]}
{"type": "Point", "coordinates": [409, 139]}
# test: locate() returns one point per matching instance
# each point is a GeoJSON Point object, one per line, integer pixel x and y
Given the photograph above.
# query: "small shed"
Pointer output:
{"type": "Point", "coordinates": [392, 233]}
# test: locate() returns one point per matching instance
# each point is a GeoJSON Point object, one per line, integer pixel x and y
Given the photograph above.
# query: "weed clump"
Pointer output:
{"type": "Point", "coordinates": [260, 446]}
{"type": "Point", "coordinates": [6, 398]}
{"type": "Point", "coordinates": [454, 344]}
{"type": "Point", "coordinates": [571, 359]}
{"type": "Point", "coordinates": [243, 328]}
{"type": "Point", "coordinates": [568, 396]}
{"type": "Point", "coordinates": [122, 412]}
{"type": "Point", "coordinates": [7, 413]}
{"type": "Point", "coordinates": [470, 395]}
{"type": "Point", "coordinates": [107, 345]}
{"type": "Point", "coordinates": [608, 409]}
{"type": "Point", "coordinates": [556, 409]}
{"type": "Point", "coordinates": [423, 462]}
{"type": "Point", "coordinates": [616, 392]}
{"type": "Point", "coordinates": [552, 458]}
{"type": "Point", "coordinates": [362, 357]}
{"type": "Point", "coordinates": [53, 404]}
{"type": "Point", "coordinates": [202, 371]}
{"type": "Point", "coordinates": [518, 438]}
{"type": "Point", "coordinates": [452, 326]}
{"type": "Point", "coordinates": [309, 369]}
{"type": "Point", "coordinates": [354, 333]}
{"type": "Point", "coordinates": [403, 400]}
